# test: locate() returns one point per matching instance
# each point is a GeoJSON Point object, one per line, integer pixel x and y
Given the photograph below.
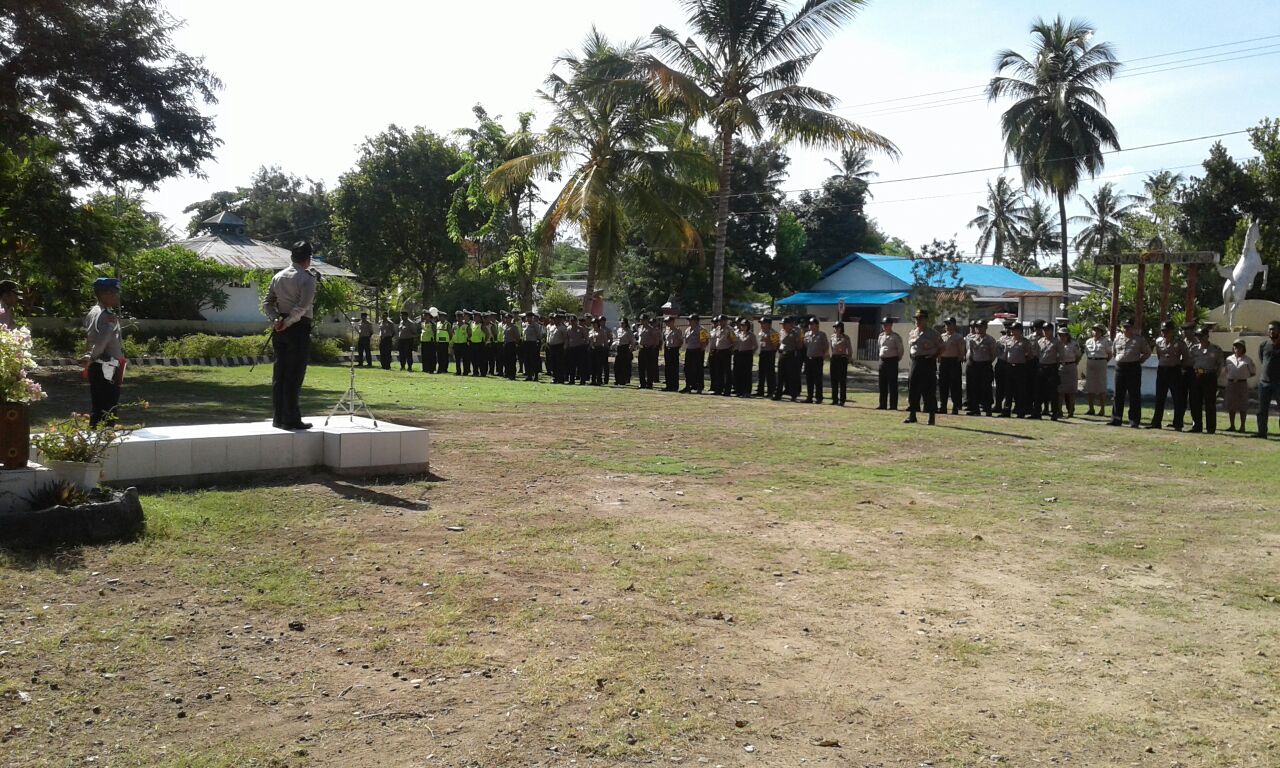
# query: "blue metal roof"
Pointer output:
{"type": "Point", "coordinates": [970, 274]}
{"type": "Point", "coordinates": [851, 298]}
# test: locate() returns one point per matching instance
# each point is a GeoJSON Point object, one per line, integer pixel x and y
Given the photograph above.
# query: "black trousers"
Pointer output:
{"type": "Point", "coordinates": [888, 378]}
{"type": "Point", "coordinates": [404, 348]}
{"type": "Point", "coordinates": [292, 347]}
{"type": "Point", "coordinates": [721, 366]}
{"type": "Point", "coordinates": [599, 366]}
{"type": "Point", "coordinates": [495, 359]}
{"type": "Point", "coordinates": [742, 364]}
{"type": "Point", "coordinates": [576, 363]}
{"type": "Point", "coordinates": [442, 356]}
{"type": "Point", "coordinates": [1048, 380]}
{"type": "Point", "coordinates": [385, 346]}
{"type": "Point", "coordinates": [557, 359]}
{"type": "Point", "coordinates": [978, 377]}
{"type": "Point", "coordinates": [1203, 395]}
{"type": "Point", "coordinates": [364, 351]}
{"type": "Point", "coordinates": [813, 378]}
{"type": "Point", "coordinates": [671, 368]}
{"type": "Point", "coordinates": [694, 370]}
{"type": "Point", "coordinates": [950, 384]}
{"type": "Point", "coordinates": [839, 379]}
{"type": "Point", "coordinates": [922, 386]}
{"type": "Point", "coordinates": [1169, 382]}
{"type": "Point", "coordinates": [622, 366]}
{"type": "Point", "coordinates": [478, 356]}
{"type": "Point", "coordinates": [767, 381]}
{"type": "Point", "coordinates": [789, 370]}
{"type": "Point", "coordinates": [1128, 387]}
{"type": "Point", "coordinates": [648, 367]}
{"type": "Point", "coordinates": [104, 395]}
{"type": "Point", "coordinates": [1004, 390]}
{"type": "Point", "coordinates": [1188, 381]}
{"type": "Point", "coordinates": [1020, 386]}
{"type": "Point", "coordinates": [529, 358]}
{"type": "Point", "coordinates": [510, 353]}
{"type": "Point", "coordinates": [428, 351]}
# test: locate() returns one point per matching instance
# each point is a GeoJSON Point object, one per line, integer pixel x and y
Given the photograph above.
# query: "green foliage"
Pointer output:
{"type": "Point", "coordinates": [568, 258]}
{"type": "Point", "coordinates": [789, 270]}
{"type": "Point", "coordinates": [391, 210]}
{"type": "Point", "coordinates": [1096, 307]}
{"type": "Point", "coordinates": [471, 288]}
{"type": "Point", "coordinates": [935, 276]}
{"type": "Point", "coordinates": [1002, 222]}
{"type": "Point", "coordinates": [555, 298]}
{"type": "Point", "coordinates": [105, 80]}
{"type": "Point", "coordinates": [835, 220]}
{"type": "Point", "coordinates": [173, 283]}
{"type": "Point", "coordinates": [203, 345]}
{"type": "Point", "coordinates": [72, 439]}
{"type": "Point", "coordinates": [517, 271]}
{"type": "Point", "coordinates": [490, 219]}
{"type": "Point", "coordinates": [277, 207]}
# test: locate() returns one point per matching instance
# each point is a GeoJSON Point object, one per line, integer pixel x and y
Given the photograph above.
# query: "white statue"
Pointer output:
{"type": "Point", "coordinates": [1239, 278]}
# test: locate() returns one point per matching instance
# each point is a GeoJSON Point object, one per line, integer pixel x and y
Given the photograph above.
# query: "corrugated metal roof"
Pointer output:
{"type": "Point", "coordinates": [246, 253]}
{"type": "Point", "coordinates": [969, 274]}
{"type": "Point", "coordinates": [850, 298]}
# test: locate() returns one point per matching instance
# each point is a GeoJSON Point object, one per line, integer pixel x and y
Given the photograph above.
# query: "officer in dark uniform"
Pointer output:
{"type": "Point", "coordinates": [289, 303]}
{"type": "Point", "coordinates": [104, 358]}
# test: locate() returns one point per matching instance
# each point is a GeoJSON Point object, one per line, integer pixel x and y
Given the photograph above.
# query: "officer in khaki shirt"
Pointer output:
{"type": "Point", "coordinates": [768, 341]}
{"type": "Point", "coordinates": [816, 351]}
{"type": "Point", "coordinates": [1131, 350]}
{"type": "Point", "coordinates": [923, 344]}
{"type": "Point", "coordinates": [696, 339]}
{"type": "Point", "coordinates": [1206, 361]}
{"type": "Point", "coordinates": [1048, 378]}
{"type": "Point", "coordinates": [1170, 352]}
{"type": "Point", "coordinates": [790, 362]}
{"type": "Point", "coordinates": [841, 353]}
{"type": "Point", "coordinates": [744, 353]}
{"type": "Point", "coordinates": [950, 367]}
{"type": "Point", "coordinates": [672, 342]}
{"type": "Point", "coordinates": [890, 346]}
{"type": "Point", "coordinates": [981, 354]}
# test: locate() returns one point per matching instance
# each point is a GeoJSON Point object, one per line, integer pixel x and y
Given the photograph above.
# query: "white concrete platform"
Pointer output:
{"type": "Point", "coordinates": [17, 486]}
{"type": "Point", "coordinates": [347, 446]}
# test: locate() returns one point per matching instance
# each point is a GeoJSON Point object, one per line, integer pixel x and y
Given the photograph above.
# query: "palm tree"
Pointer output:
{"type": "Point", "coordinates": [1057, 126]}
{"type": "Point", "coordinates": [625, 167]}
{"type": "Point", "coordinates": [1161, 188]}
{"type": "Point", "coordinates": [477, 214]}
{"type": "Point", "coordinates": [1039, 237]}
{"type": "Point", "coordinates": [1102, 227]}
{"type": "Point", "coordinates": [855, 165]}
{"type": "Point", "coordinates": [1002, 221]}
{"type": "Point", "coordinates": [741, 72]}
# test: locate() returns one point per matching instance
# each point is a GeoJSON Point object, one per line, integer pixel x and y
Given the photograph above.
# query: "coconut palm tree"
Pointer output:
{"type": "Point", "coordinates": [855, 164]}
{"type": "Point", "coordinates": [741, 71]}
{"type": "Point", "coordinates": [1040, 237]}
{"type": "Point", "coordinates": [1002, 221]}
{"type": "Point", "coordinates": [1102, 227]}
{"type": "Point", "coordinates": [625, 167]}
{"type": "Point", "coordinates": [1057, 126]}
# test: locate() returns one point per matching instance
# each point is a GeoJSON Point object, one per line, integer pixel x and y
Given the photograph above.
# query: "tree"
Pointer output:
{"type": "Point", "coordinates": [104, 80]}
{"type": "Point", "coordinates": [391, 210]}
{"type": "Point", "coordinates": [173, 283]}
{"type": "Point", "coordinates": [1040, 237]}
{"type": "Point", "coordinates": [791, 271]}
{"type": "Point", "coordinates": [277, 207]}
{"type": "Point", "coordinates": [935, 282]}
{"type": "Point", "coordinates": [1057, 126]}
{"type": "Point", "coordinates": [742, 72]}
{"type": "Point", "coordinates": [1264, 172]}
{"type": "Point", "coordinates": [835, 219]}
{"type": "Point", "coordinates": [556, 298]}
{"type": "Point", "coordinates": [1002, 221]}
{"type": "Point", "coordinates": [626, 167]}
{"type": "Point", "coordinates": [517, 270]}
{"type": "Point", "coordinates": [1104, 225]}
{"type": "Point", "coordinates": [759, 171]}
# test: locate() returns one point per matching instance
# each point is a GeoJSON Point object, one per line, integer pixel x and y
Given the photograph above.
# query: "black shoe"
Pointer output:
{"type": "Point", "coordinates": [1259, 435]}
{"type": "Point", "coordinates": [1135, 425]}
{"type": "Point", "coordinates": [910, 419]}
{"type": "Point", "coordinates": [1114, 424]}
{"type": "Point", "coordinates": [1197, 430]}
{"type": "Point", "coordinates": [278, 425]}
{"type": "Point", "coordinates": [881, 408]}
{"type": "Point", "coordinates": [793, 399]}
{"type": "Point", "coordinates": [299, 425]}
{"type": "Point", "coordinates": [931, 421]}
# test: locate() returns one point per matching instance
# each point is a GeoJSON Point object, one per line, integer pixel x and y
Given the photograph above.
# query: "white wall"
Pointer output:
{"type": "Point", "coordinates": [243, 306]}
{"type": "Point", "coordinates": [860, 276]}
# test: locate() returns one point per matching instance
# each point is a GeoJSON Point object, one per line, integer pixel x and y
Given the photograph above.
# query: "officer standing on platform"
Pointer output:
{"type": "Point", "coordinates": [923, 344]}
{"type": "Point", "coordinates": [672, 341]}
{"type": "Point", "coordinates": [364, 342]}
{"type": "Point", "coordinates": [841, 352]}
{"type": "Point", "coordinates": [890, 345]}
{"type": "Point", "coordinates": [1131, 351]}
{"type": "Point", "coordinates": [288, 302]}
{"type": "Point", "coordinates": [696, 340]}
{"type": "Point", "coordinates": [1206, 361]}
{"type": "Point", "coordinates": [950, 366]}
{"type": "Point", "coordinates": [1170, 353]}
{"type": "Point", "coordinates": [767, 341]}
{"type": "Point", "coordinates": [103, 360]}
{"type": "Point", "coordinates": [981, 354]}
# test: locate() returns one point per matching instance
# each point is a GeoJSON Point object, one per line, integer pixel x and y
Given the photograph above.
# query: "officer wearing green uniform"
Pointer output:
{"type": "Point", "coordinates": [442, 346]}
{"type": "Point", "coordinates": [461, 335]}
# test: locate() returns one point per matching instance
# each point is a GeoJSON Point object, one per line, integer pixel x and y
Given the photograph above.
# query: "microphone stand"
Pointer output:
{"type": "Point", "coordinates": [351, 404]}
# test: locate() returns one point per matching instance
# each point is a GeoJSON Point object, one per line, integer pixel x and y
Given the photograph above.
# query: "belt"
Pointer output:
{"type": "Point", "coordinates": [1202, 371]}
{"type": "Point", "coordinates": [899, 357]}
{"type": "Point", "coordinates": [924, 357]}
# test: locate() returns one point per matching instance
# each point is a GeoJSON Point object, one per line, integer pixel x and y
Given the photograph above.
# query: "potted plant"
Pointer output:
{"type": "Point", "coordinates": [17, 392]}
{"type": "Point", "coordinates": [74, 450]}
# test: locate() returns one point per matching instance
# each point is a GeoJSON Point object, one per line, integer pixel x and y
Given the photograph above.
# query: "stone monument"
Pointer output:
{"type": "Point", "coordinates": [1239, 278]}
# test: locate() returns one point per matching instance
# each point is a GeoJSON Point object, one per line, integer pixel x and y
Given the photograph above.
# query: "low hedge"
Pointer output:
{"type": "Point", "coordinates": [206, 345]}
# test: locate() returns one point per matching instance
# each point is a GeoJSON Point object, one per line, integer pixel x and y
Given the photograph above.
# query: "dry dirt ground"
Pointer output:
{"type": "Point", "coordinates": [642, 579]}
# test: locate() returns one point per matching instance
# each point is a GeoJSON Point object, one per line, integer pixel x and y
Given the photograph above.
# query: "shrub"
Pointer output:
{"type": "Point", "coordinates": [555, 298]}
{"type": "Point", "coordinates": [173, 283]}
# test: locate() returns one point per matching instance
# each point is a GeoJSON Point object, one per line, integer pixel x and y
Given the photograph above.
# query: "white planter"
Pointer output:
{"type": "Point", "coordinates": [82, 475]}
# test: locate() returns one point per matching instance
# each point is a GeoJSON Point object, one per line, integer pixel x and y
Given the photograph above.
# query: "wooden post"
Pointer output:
{"type": "Point", "coordinates": [1115, 298]}
{"type": "Point", "coordinates": [1192, 272]}
{"type": "Point", "coordinates": [1139, 301]}
{"type": "Point", "coordinates": [1164, 292]}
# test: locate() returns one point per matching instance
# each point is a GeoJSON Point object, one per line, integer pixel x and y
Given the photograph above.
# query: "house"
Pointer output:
{"type": "Point", "coordinates": [1046, 303]}
{"type": "Point", "coordinates": [225, 242]}
{"type": "Point", "coordinates": [871, 286]}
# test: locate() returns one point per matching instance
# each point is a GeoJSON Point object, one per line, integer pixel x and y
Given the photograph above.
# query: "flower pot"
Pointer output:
{"type": "Point", "coordinates": [15, 435]}
{"type": "Point", "coordinates": [83, 475]}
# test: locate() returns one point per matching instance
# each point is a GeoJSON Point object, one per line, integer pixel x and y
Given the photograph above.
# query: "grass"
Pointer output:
{"type": "Point", "coordinates": [639, 572]}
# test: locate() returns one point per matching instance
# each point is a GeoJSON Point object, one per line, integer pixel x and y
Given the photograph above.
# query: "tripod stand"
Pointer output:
{"type": "Point", "coordinates": [351, 404]}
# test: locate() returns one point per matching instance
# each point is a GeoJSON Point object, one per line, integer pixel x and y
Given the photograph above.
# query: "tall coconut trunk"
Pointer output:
{"type": "Point", "coordinates": [722, 221]}
{"type": "Point", "coordinates": [997, 255]}
{"type": "Point", "coordinates": [1066, 282]}
{"type": "Point", "coordinates": [593, 259]}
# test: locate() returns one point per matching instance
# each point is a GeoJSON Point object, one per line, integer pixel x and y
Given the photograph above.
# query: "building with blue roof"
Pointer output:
{"type": "Point", "coordinates": [874, 285]}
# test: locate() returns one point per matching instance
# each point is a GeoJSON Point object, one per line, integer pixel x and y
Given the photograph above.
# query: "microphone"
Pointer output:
{"type": "Point", "coordinates": [316, 274]}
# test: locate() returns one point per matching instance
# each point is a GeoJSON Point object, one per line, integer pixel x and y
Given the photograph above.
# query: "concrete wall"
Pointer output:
{"type": "Point", "coordinates": [860, 276]}
{"type": "Point", "coordinates": [243, 306]}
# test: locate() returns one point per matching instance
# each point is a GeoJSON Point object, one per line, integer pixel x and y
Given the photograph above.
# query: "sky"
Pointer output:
{"type": "Point", "coordinates": [306, 82]}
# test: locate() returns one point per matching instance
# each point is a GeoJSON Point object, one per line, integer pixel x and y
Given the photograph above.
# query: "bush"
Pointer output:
{"type": "Point", "coordinates": [202, 345]}
{"type": "Point", "coordinates": [172, 283]}
{"type": "Point", "coordinates": [57, 342]}
{"type": "Point", "coordinates": [555, 298]}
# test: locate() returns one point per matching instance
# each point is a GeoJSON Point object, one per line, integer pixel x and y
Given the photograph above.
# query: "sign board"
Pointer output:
{"type": "Point", "coordinates": [1156, 257]}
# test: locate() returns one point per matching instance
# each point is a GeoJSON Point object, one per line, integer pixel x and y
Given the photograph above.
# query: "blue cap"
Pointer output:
{"type": "Point", "coordinates": [106, 284]}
